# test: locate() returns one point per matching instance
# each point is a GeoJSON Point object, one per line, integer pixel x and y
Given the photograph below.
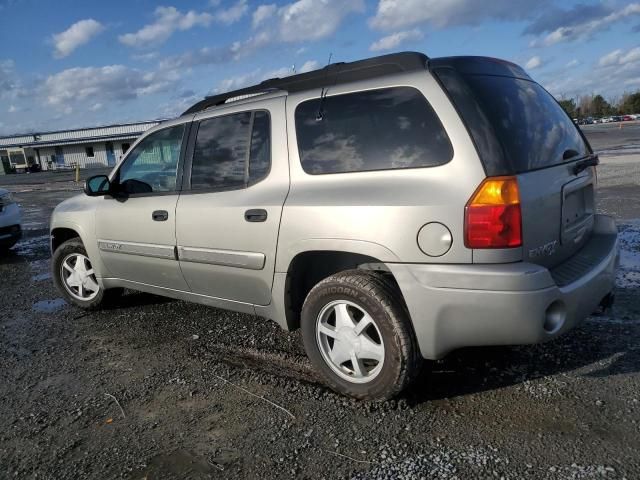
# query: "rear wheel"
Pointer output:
{"type": "Point", "coordinates": [75, 277]}
{"type": "Point", "coordinates": [357, 333]}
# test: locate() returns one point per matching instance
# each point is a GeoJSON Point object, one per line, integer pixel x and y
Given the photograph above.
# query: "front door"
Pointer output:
{"type": "Point", "coordinates": [111, 156]}
{"type": "Point", "coordinates": [136, 229]}
{"type": "Point", "coordinates": [59, 156]}
{"type": "Point", "coordinates": [228, 216]}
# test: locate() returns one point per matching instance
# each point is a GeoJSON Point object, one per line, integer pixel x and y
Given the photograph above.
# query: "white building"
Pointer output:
{"type": "Point", "coordinates": [87, 147]}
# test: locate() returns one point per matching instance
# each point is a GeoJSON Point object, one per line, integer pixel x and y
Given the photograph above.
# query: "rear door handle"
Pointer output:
{"type": "Point", "coordinates": [255, 215]}
{"type": "Point", "coordinates": [160, 215]}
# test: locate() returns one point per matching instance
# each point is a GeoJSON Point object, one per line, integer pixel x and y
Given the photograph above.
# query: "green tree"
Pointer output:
{"type": "Point", "coordinates": [569, 106]}
{"type": "Point", "coordinates": [631, 103]}
{"type": "Point", "coordinates": [600, 107]}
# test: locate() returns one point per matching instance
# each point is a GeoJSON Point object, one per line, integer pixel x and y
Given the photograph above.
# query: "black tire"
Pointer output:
{"type": "Point", "coordinates": [101, 299]}
{"type": "Point", "coordinates": [382, 300]}
{"type": "Point", "coordinates": [5, 247]}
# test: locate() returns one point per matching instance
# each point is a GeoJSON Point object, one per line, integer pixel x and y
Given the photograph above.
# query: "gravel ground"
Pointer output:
{"type": "Point", "coordinates": [155, 388]}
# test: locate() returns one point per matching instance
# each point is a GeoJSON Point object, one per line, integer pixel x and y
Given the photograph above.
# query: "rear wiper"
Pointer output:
{"type": "Point", "coordinates": [590, 161]}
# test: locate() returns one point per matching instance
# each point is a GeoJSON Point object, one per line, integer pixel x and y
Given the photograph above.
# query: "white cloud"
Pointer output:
{"type": "Point", "coordinates": [258, 75]}
{"type": "Point", "coordinates": [95, 107]}
{"type": "Point", "coordinates": [631, 56]}
{"type": "Point", "coordinates": [10, 85]}
{"type": "Point", "coordinates": [395, 39]}
{"type": "Point", "coordinates": [587, 29]}
{"type": "Point", "coordinates": [610, 58]}
{"type": "Point", "coordinates": [7, 78]}
{"type": "Point", "coordinates": [396, 14]}
{"type": "Point", "coordinates": [620, 57]}
{"type": "Point", "coordinates": [253, 43]}
{"type": "Point", "coordinates": [262, 13]}
{"type": "Point", "coordinates": [234, 13]}
{"type": "Point", "coordinates": [306, 20]}
{"type": "Point", "coordinates": [103, 84]}
{"type": "Point", "coordinates": [533, 63]}
{"type": "Point", "coordinates": [12, 109]}
{"type": "Point", "coordinates": [573, 63]}
{"type": "Point", "coordinates": [168, 20]}
{"type": "Point", "coordinates": [145, 57]}
{"type": "Point", "coordinates": [610, 75]}
{"type": "Point", "coordinates": [76, 35]}
{"type": "Point", "coordinates": [203, 56]}
{"type": "Point", "coordinates": [300, 21]}
{"type": "Point", "coordinates": [308, 66]}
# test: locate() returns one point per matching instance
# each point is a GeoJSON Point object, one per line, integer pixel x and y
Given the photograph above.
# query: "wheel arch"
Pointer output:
{"type": "Point", "coordinates": [62, 231]}
{"type": "Point", "coordinates": [60, 235]}
{"type": "Point", "coordinates": [308, 268]}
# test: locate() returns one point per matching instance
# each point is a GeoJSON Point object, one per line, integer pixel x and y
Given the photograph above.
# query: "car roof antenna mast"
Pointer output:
{"type": "Point", "coordinates": [323, 92]}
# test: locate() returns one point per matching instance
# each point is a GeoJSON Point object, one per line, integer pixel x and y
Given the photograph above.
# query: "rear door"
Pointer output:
{"type": "Point", "coordinates": [520, 129]}
{"type": "Point", "coordinates": [228, 215]}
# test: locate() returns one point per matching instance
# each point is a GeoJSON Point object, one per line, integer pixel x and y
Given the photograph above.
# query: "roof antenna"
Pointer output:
{"type": "Point", "coordinates": [323, 92]}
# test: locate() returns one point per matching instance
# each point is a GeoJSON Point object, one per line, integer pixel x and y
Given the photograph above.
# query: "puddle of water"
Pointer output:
{"type": "Point", "coordinates": [49, 306]}
{"type": "Point", "coordinates": [629, 271]}
{"type": "Point", "coordinates": [41, 277]}
{"type": "Point", "coordinates": [31, 245]}
{"type": "Point", "coordinates": [629, 149]}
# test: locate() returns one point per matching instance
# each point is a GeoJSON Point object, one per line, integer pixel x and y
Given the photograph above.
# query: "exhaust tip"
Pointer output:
{"type": "Point", "coordinates": [554, 317]}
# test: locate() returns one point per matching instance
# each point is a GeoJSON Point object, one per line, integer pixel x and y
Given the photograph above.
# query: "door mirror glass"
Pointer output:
{"type": "Point", "coordinates": [97, 185]}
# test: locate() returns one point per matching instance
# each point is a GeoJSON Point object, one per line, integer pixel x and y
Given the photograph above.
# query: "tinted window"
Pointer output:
{"type": "Point", "coordinates": [220, 154]}
{"type": "Point", "coordinates": [260, 158]}
{"type": "Point", "coordinates": [223, 146]}
{"type": "Point", "coordinates": [524, 122]}
{"type": "Point", "coordinates": [152, 165]}
{"type": "Point", "coordinates": [375, 130]}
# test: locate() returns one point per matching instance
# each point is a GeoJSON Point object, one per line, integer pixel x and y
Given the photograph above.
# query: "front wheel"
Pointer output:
{"type": "Point", "coordinates": [357, 333]}
{"type": "Point", "coordinates": [75, 278]}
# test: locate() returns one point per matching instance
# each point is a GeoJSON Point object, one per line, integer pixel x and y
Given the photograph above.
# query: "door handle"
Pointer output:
{"type": "Point", "coordinates": [255, 215]}
{"type": "Point", "coordinates": [160, 215]}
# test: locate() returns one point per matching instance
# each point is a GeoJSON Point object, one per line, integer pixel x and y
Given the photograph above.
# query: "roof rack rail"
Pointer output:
{"type": "Point", "coordinates": [332, 74]}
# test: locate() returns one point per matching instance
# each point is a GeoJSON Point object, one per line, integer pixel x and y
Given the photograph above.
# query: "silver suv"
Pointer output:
{"type": "Point", "coordinates": [394, 209]}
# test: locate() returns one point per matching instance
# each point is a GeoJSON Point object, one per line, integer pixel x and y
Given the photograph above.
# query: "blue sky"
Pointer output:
{"type": "Point", "coordinates": [67, 64]}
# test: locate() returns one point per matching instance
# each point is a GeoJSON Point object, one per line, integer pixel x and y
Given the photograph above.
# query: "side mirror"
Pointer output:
{"type": "Point", "coordinates": [97, 185]}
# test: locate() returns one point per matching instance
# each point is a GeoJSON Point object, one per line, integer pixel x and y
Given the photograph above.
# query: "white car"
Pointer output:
{"type": "Point", "coordinates": [10, 230]}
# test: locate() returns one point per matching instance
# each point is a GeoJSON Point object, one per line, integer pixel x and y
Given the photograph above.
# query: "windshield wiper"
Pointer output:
{"type": "Point", "coordinates": [590, 161]}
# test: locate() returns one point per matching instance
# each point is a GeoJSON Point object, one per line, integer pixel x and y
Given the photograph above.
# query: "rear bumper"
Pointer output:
{"type": "Point", "coordinates": [454, 306]}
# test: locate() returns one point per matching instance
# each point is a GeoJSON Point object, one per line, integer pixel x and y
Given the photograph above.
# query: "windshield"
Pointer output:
{"type": "Point", "coordinates": [515, 123]}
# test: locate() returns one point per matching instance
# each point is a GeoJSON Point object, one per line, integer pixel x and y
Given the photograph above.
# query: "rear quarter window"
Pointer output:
{"type": "Point", "coordinates": [382, 129]}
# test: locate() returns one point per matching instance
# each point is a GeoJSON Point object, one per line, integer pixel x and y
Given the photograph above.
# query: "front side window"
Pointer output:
{"type": "Point", "coordinates": [382, 129]}
{"type": "Point", "coordinates": [152, 165]}
{"type": "Point", "coordinates": [231, 151]}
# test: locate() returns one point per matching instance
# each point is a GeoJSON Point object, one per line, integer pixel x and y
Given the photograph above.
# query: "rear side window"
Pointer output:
{"type": "Point", "coordinates": [516, 125]}
{"type": "Point", "coordinates": [384, 129]}
{"type": "Point", "coordinates": [231, 151]}
{"type": "Point", "coordinates": [260, 156]}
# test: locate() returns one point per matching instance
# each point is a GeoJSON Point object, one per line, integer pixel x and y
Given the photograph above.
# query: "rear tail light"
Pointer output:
{"type": "Point", "coordinates": [493, 218]}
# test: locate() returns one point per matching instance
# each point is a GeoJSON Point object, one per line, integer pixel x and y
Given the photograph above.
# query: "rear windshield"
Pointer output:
{"type": "Point", "coordinates": [516, 125]}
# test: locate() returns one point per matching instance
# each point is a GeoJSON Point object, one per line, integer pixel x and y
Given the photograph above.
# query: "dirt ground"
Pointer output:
{"type": "Point", "coordinates": [156, 388]}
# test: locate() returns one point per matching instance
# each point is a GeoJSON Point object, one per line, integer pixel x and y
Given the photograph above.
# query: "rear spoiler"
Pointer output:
{"type": "Point", "coordinates": [479, 66]}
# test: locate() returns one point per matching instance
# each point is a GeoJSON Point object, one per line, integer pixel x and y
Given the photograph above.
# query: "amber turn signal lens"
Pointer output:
{"type": "Point", "coordinates": [493, 218]}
